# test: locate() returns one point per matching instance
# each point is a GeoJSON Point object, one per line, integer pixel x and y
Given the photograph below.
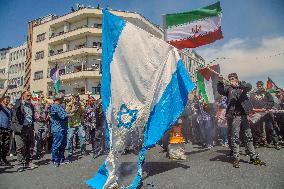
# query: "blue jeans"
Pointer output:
{"type": "Point", "coordinates": [224, 131]}
{"type": "Point", "coordinates": [59, 145]}
{"type": "Point", "coordinates": [82, 137]}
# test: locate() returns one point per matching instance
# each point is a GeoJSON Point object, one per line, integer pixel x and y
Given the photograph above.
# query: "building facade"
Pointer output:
{"type": "Point", "coordinates": [73, 43]}
{"type": "Point", "coordinates": [4, 61]}
{"type": "Point", "coordinates": [16, 70]}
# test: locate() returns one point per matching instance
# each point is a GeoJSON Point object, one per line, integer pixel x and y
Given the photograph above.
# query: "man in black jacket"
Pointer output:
{"type": "Point", "coordinates": [23, 126]}
{"type": "Point", "coordinates": [237, 111]}
{"type": "Point", "coordinates": [262, 101]}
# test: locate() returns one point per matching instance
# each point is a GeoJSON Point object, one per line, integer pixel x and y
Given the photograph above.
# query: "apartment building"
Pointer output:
{"type": "Point", "coordinates": [16, 70]}
{"type": "Point", "coordinates": [73, 43]}
{"type": "Point", "coordinates": [4, 61]}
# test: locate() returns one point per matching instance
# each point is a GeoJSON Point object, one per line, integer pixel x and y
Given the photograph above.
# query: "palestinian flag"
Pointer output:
{"type": "Point", "coordinates": [270, 86]}
{"type": "Point", "coordinates": [207, 83]}
{"type": "Point", "coordinates": [54, 75]}
{"type": "Point", "coordinates": [195, 28]}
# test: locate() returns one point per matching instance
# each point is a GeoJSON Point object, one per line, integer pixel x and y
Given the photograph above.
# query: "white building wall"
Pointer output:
{"type": "Point", "coordinates": [17, 58]}
{"type": "Point", "coordinates": [66, 23]}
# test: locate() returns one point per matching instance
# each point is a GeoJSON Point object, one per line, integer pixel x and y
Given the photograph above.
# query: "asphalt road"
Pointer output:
{"type": "Point", "coordinates": [203, 169]}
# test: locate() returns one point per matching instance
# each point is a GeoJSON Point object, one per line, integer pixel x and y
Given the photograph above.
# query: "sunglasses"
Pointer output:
{"type": "Point", "coordinates": [231, 78]}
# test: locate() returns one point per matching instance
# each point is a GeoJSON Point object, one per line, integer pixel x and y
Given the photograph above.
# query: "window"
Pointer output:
{"type": "Point", "coordinates": [50, 93]}
{"type": "Point", "coordinates": [97, 25]}
{"type": "Point", "coordinates": [2, 71]}
{"type": "Point", "coordinates": [2, 84]}
{"type": "Point", "coordinates": [59, 51]}
{"type": "Point", "coordinates": [39, 55]}
{"type": "Point", "coordinates": [62, 72]}
{"type": "Point", "coordinates": [38, 75]}
{"type": "Point", "coordinates": [17, 54]}
{"type": "Point", "coordinates": [3, 56]}
{"type": "Point", "coordinates": [96, 90]}
{"type": "Point", "coordinates": [40, 37]}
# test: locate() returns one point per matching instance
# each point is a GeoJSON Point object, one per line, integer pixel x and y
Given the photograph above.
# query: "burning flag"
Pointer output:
{"type": "Point", "coordinates": [145, 88]}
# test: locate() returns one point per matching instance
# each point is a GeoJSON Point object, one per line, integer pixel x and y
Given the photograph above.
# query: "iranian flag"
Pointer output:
{"type": "Point", "coordinates": [195, 28]}
{"type": "Point", "coordinates": [270, 86]}
{"type": "Point", "coordinates": [207, 82]}
{"type": "Point", "coordinates": [54, 75]}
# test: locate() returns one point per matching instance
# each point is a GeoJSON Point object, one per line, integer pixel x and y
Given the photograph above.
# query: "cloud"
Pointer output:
{"type": "Point", "coordinates": [251, 63]}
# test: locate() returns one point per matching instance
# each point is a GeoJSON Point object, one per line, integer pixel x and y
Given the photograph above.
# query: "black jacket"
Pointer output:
{"type": "Point", "coordinates": [237, 98]}
{"type": "Point", "coordinates": [19, 117]}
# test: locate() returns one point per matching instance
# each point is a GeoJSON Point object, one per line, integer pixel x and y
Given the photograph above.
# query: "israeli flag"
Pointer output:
{"type": "Point", "coordinates": [145, 88]}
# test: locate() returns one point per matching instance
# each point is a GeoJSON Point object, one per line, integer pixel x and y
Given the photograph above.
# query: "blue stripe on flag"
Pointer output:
{"type": "Point", "coordinates": [170, 106]}
{"type": "Point", "coordinates": [99, 180]}
{"type": "Point", "coordinates": [112, 28]}
{"type": "Point", "coordinates": [165, 113]}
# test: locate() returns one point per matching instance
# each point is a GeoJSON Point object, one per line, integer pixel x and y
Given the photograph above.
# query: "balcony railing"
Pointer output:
{"type": "Point", "coordinates": [52, 53]}
{"type": "Point", "coordinates": [80, 27]}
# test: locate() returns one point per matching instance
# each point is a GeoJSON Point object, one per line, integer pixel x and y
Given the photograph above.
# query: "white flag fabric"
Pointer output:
{"type": "Point", "coordinates": [145, 88]}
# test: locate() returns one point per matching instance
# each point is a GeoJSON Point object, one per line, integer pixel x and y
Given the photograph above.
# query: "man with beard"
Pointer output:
{"type": "Point", "coordinates": [262, 101]}
{"type": "Point", "coordinates": [238, 108]}
{"type": "Point", "coordinates": [23, 126]}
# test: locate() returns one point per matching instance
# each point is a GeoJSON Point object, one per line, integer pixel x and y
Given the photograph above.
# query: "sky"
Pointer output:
{"type": "Point", "coordinates": [253, 29]}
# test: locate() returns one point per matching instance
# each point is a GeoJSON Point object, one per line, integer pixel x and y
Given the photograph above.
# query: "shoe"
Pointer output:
{"type": "Point", "coordinates": [70, 155]}
{"type": "Point", "coordinates": [257, 161]}
{"type": "Point", "coordinates": [236, 164]}
{"type": "Point", "coordinates": [277, 147]}
{"type": "Point", "coordinates": [209, 147]}
{"type": "Point", "coordinates": [55, 164]}
{"type": "Point", "coordinates": [31, 166]}
{"type": "Point", "coordinates": [11, 155]}
{"type": "Point", "coordinates": [21, 168]}
{"type": "Point", "coordinates": [65, 162]}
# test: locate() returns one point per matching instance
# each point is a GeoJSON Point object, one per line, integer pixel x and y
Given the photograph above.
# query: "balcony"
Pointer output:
{"type": "Point", "coordinates": [87, 73]}
{"type": "Point", "coordinates": [78, 33]}
{"type": "Point", "coordinates": [81, 51]}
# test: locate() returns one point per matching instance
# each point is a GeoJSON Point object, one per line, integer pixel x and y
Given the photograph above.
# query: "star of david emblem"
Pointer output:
{"type": "Point", "coordinates": [126, 117]}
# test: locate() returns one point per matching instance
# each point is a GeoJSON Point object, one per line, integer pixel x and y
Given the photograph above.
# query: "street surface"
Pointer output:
{"type": "Point", "coordinates": [203, 169]}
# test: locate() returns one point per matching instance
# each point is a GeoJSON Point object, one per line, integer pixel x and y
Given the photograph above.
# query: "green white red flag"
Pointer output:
{"type": "Point", "coordinates": [54, 75]}
{"type": "Point", "coordinates": [270, 86]}
{"type": "Point", "coordinates": [195, 28]}
{"type": "Point", "coordinates": [207, 82]}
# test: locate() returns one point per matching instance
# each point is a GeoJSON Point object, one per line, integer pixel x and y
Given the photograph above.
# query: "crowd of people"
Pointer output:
{"type": "Point", "coordinates": [242, 115]}
{"type": "Point", "coordinates": [29, 129]}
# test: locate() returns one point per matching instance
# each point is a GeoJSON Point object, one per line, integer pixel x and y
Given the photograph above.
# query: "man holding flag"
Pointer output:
{"type": "Point", "coordinates": [237, 111]}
